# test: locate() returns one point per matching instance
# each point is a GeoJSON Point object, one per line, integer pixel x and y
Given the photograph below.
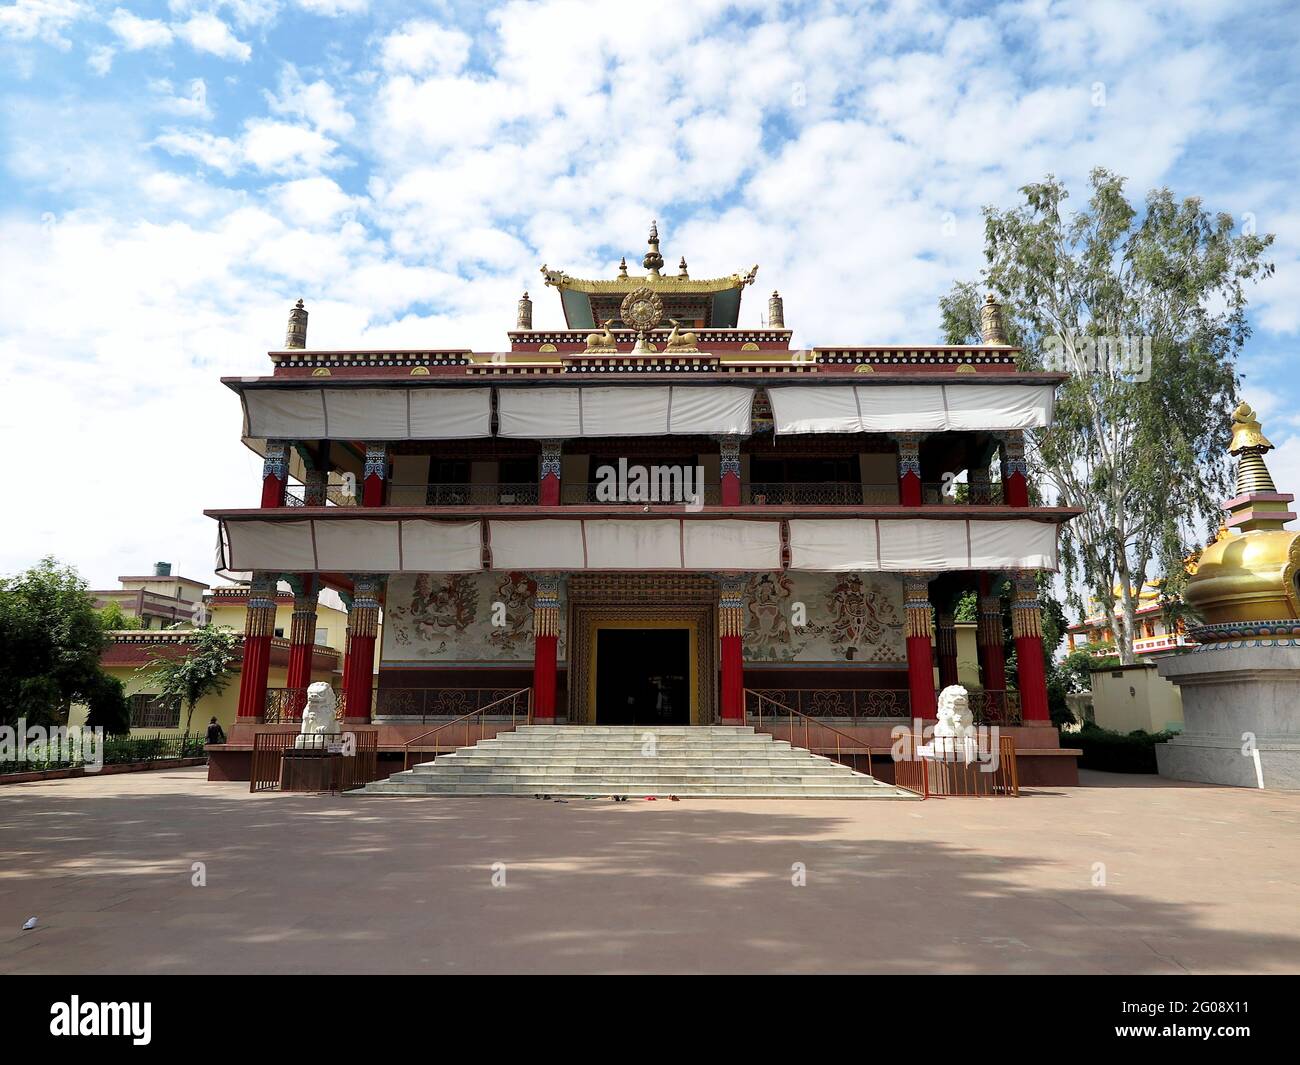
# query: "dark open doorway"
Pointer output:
{"type": "Point", "coordinates": [643, 677]}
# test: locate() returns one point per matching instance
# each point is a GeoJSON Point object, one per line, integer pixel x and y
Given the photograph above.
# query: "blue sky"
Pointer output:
{"type": "Point", "coordinates": [174, 175]}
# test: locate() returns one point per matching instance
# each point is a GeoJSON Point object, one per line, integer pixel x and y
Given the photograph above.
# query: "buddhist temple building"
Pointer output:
{"type": "Point", "coordinates": [653, 515]}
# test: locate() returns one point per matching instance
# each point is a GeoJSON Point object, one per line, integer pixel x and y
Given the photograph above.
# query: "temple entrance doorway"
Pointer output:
{"type": "Point", "coordinates": [643, 676]}
{"type": "Point", "coordinates": [643, 604]}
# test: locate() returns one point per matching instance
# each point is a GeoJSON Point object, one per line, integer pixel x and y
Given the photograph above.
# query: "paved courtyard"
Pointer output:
{"type": "Point", "coordinates": [1197, 879]}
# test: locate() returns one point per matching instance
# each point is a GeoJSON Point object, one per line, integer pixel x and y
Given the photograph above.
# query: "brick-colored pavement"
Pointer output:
{"type": "Point", "coordinates": [1198, 879]}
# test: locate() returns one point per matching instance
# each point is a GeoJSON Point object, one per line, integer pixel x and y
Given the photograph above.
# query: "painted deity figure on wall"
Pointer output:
{"type": "Point", "coordinates": [860, 614]}
{"type": "Point", "coordinates": [513, 630]}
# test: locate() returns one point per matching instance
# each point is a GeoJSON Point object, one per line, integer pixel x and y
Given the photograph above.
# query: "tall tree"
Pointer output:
{"type": "Point", "coordinates": [1138, 447]}
{"type": "Point", "coordinates": [50, 643]}
{"type": "Point", "coordinates": [203, 668]}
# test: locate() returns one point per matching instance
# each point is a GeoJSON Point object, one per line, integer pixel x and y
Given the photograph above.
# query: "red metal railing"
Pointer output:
{"type": "Point", "coordinates": [435, 747]}
{"type": "Point", "coordinates": [950, 773]}
{"type": "Point", "coordinates": [818, 736]}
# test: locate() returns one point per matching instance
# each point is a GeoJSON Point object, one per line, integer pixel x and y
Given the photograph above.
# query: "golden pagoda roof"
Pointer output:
{"type": "Point", "coordinates": [590, 301]}
{"type": "Point", "coordinates": [628, 282]}
{"type": "Point", "coordinates": [1247, 581]}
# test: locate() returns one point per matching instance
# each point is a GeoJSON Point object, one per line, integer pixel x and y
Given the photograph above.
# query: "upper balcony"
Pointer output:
{"type": "Point", "coordinates": [592, 493]}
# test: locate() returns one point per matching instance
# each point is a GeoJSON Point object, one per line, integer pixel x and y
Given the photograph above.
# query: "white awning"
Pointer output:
{"type": "Point", "coordinates": [909, 408]}
{"type": "Point", "coordinates": [372, 545]}
{"type": "Point", "coordinates": [834, 544]}
{"type": "Point", "coordinates": [538, 412]}
{"type": "Point", "coordinates": [352, 545]}
{"type": "Point", "coordinates": [411, 413]}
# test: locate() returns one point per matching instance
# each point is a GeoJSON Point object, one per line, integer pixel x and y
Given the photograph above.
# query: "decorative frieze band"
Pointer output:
{"type": "Point", "coordinates": [546, 606]}
{"type": "Point", "coordinates": [989, 631]}
{"type": "Point", "coordinates": [1026, 608]}
{"type": "Point", "coordinates": [916, 604]}
{"type": "Point", "coordinates": [552, 458]}
{"type": "Point", "coordinates": [376, 461]}
{"type": "Point", "coordinates": [363, 610]}
{"type": "Point", "coordinates": [909, 454]}
{"type": "Point", "coordinates": [275, 463]}
{"type": "Point", "coordinates": [729, 450]}
{"type": "Point", "coordinates": [259, 620]}
{"type": "Point", "coordinates": [731, 606]}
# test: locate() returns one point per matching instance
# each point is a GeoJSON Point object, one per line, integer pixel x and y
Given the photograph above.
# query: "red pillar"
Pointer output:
{"type": "Point", "coordinates": [988, 636]}
{"type": "Point", "coordinates": [729, 467]}
{"type": "Point", "coordinates": [275, 473]}
{"type": "Point", "coordinates": [548, 489]}
{"type": "Point", "coordinates": [374, 475]}
{"type": "Point", "coordinates": [1027, 629]}
{"type": "Point", "coordinates": [546, 637]}
{"type": "Point", "coordinates": [302, 632]}
{"type": "Point", "coordinates": [259, 628]}
{"type": "Point", "coordinates": [909, 469]}
{"type": "Point", "coordinates": [731, 628]}
{"type": "Point", "coordinates": [359, 664]}
{"type": "Point", "coordinates": [1015, 471]}
{"type": "Point", "coordinates": [920, 659]}
{"type": "Point", "coordinates": [945, 639]}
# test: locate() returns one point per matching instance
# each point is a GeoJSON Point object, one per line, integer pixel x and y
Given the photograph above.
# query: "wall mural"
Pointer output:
{"type": "Point", "coordinates": [850, 618]}
{"type": "Point", "coordinates": [437, 617]}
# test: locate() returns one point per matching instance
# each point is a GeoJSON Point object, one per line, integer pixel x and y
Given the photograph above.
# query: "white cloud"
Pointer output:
{"type": "Point", "coordinates": [314, 201]}
{"type": "Point", "coordinates": [316, 103]}
{"type": "Point", "coordinates": [422, 46]}
{"type": "Point", "coordinates": [193, 104]}
{"type": "Point", "coordinates": [100, 60]}
{"type": "Point", "coordinates": [333, 8]}
{"type": "Point", "coordinates": [28, 20]}
{"type": "Point", "coordinates": [267, 146]}
{"type": "Point", "coordinates": [138, 33]}
{"type": "Point", "coordinates": [207, 33]}
{"type": "Point", "coordinates": [220, 153]}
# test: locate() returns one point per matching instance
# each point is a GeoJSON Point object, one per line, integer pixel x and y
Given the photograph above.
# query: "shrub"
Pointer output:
{"type": "Point", "coordinates": [1114, 752]}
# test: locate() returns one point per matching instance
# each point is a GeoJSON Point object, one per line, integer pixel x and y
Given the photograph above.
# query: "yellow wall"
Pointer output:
{"type": "Point", "coordinates": [968, 665]}
{"type": "Point", "coordinates": [1135, 697]}
{"type": "Point", "coordinates": [223, 706]}
{"type": "Point", "coordinates": [335, 622]}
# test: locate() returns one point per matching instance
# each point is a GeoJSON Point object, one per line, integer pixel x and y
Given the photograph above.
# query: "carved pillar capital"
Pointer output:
{"type": "Point", "coordinates": [916, 604]}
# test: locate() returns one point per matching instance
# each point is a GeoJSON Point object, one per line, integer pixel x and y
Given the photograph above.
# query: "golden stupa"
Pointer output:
{"type": "Point", "coordinates": [1247, 578]}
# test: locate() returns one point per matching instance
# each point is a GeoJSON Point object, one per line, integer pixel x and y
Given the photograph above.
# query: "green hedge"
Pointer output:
{"type": "Point", "coordinates": [118, 750]}
{"type": "Point", "coordinates": [1115, 752]}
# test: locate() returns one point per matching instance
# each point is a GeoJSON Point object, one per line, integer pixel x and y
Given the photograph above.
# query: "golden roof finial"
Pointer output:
{"type": "Point", "coordinates": [653, 261]}
{"type": "Point", "coordinates": [992, 331]}
{"type": "Point", "coordinates": [1246, 431]}
{"type": "Point", "coordinates": [681, 268]}
{"type": "Point", "coordinates": [622, 267]}
{"type": "Point", "coordinates": [1250, 445]}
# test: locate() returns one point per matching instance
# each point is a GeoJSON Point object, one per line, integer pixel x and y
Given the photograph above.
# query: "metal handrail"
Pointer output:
{"type": "Point", "coordinates": [807, 718]}
{"type": "Point", "coordinates": [512, 698]}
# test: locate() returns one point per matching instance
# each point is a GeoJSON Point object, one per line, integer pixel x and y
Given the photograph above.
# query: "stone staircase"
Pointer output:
{"type": "Point", "coordinates": [577, 761]}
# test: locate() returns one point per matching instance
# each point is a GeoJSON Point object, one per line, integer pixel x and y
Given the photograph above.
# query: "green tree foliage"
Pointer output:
{"type": "Point", "coordinates": [107, 706]}
{"type": "Point", "coordinates": [1142, 458]}
{"type": "Point", "coordinates": [203, 668]}
{"type": "Point", "coordinates": [113, 618]}
{"type": "Point", "coordinates": [50, 643]}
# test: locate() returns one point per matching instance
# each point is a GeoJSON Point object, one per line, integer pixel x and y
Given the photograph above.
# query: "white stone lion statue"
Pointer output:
{"type": "Point", "coordinates": [954, 732]}
{"type": "Point", "coordinates": [319, 722]}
